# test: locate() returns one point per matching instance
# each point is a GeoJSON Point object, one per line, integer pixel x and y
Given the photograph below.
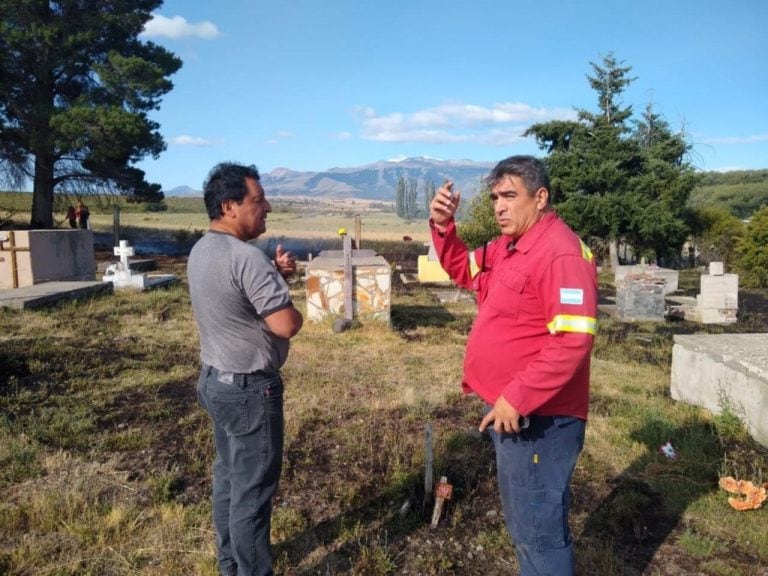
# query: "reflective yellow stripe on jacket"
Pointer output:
{"type": "Point", "coordinates": [570, 323]}
{"type": "Point", "coordinates": [474, 267]}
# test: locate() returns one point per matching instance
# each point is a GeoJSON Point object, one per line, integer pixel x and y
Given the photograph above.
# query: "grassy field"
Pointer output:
{"type": "Point", "coordinates": [302, 218]}
{"type": "Point", "coordinates": [105, 456]}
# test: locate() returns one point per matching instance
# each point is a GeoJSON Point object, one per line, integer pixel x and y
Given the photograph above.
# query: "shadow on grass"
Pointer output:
{"type": "Point", "coordinates": [647, 501]}
{"type": "Point", "coordinates": [354, 508]}
{"type": "Point", "coordinates": [409, 317]}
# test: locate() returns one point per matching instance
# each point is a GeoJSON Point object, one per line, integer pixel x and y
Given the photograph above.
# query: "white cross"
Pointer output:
{"type": "Point", "coordinates": [124, 251]}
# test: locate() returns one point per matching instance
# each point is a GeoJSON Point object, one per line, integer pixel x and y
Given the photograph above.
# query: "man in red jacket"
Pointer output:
{"type": "Point", "coordinates": [528, 354]}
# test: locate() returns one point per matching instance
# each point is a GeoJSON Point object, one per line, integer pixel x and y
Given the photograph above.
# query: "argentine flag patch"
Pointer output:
{"type": "Point", "coordinates": [571, 296]}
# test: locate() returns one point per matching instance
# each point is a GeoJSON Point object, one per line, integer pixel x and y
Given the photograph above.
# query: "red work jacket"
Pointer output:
{"type": "Point", "coordinates": [537, 316]}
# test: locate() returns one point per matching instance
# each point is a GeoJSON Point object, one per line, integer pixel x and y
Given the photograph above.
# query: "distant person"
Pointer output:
{"type": "Point", "coordinates": [246, 318]}
{"type": "Point", "coordinates": [72, 216]}
{"type": "Point", "coordinates": [528, 354]}
{"type": "Point", "coordinates": [82, 213]}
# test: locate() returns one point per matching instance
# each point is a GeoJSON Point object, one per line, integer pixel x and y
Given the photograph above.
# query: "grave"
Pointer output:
{"type": "Point", "coordinates": [30, 257]}
{"type": "Point", "coordinates": [429, 268]}
{"type": "Point", "coordinates": [671, 277]}
{"type": "Point", "coordinates": [718, 300]}
{"type": "Point", "coordinates": [120, 274]}
{"type": "Point", "coordinates": [640, 297]}
{"type": "Point", "coordinates": [371, 282]}
{"type": "Point", "coordinates": [724, 372]}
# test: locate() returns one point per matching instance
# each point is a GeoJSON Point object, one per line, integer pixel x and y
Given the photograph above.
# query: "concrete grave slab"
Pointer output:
{"type": "Point", "coordinates": [724, 371]}
{"type": "Point", "coordinates": [49, 293]}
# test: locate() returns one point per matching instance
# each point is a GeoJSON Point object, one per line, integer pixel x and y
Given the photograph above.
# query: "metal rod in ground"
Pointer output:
{"type": "Point", "coordinates": [428, 464]}
{"type": "Point", "coordinates": [348, 278]}
{"type": "Point", "coordinates": [116, 225]}
{"type": "Point", "coordinates": [358, 231]}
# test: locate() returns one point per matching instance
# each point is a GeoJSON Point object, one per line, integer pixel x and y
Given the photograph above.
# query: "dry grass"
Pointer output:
{"type": "Point", "coordinates": [105, 456]}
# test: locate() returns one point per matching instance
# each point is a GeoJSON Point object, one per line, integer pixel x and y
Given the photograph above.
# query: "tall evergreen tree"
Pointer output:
{"type": "Point", "coordinates": [400, 200]}
{"type": "Point", "coordinates": [613, 180]}
{"type": "Point", "coordinates": [430, 189]}
{"type": "Point", "coordinates": [76, 88]}
{"type": "Point", "coordinates": [411, 191]}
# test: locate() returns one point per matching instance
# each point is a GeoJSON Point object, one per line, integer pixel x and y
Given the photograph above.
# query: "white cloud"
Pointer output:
{"type": "Point", "coordinates": [736, 139]}
{"type": "Point", "coordinates": [178, 27]}
{"type": "Point", "coordinates": [284, 134]}
{"type": "Point", "coordinates": [185, 140]}
{"type": "Point", "coordinates": [499, 125]}
{"type": "Point", "coordinates": [342, 136]}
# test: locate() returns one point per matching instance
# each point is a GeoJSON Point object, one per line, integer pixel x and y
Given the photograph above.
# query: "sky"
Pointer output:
{"type": "Point", "coordinates": [316, 84]}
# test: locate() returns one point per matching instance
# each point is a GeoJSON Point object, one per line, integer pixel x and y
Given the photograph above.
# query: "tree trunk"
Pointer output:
{"type": "Point", "coordinates": [42, 195]}
{"type": "Point", "coordinates": [613, 252]}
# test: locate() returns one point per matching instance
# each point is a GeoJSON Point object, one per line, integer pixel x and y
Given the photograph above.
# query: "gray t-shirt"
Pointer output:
{"type": "Point", "coordinates": [233, 286]}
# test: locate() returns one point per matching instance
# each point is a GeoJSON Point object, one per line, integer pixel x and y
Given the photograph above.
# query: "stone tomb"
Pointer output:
{"type": "Point", "coordinates": [671, 277]}
{"type": "Point", "coordinates": [724, 372]}
{"type": "Point", "coordinates": [30, 257]}
{"type": "Point", "coordinates": [429, 268]}
{"type": "Point", "coordinates": [640, 297]}
{"type": "Point", "coordinates": [371, 291]}
{"type": "Point", "coordinates": [718, 300]}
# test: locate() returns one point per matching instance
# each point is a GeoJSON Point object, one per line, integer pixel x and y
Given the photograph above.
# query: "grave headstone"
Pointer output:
{"type": "Point", "coordinates": [640, 297]}
{"type": "Point", "coordinates": [121, 275]}
{"type": "Point", "coordinates": [718, 299]}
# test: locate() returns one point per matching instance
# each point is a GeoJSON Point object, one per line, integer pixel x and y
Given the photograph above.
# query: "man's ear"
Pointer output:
{"type": "Point", "coordinates": [542, 198]}
{"type": "Point", "coordinates": [226, 207]}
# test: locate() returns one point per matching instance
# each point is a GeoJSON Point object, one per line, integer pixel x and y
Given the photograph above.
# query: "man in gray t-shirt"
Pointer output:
{"type": "Point", "coordinates": [245, 317]}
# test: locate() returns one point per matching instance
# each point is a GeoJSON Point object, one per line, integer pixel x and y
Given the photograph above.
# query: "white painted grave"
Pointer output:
{"type": "Point", "coordinates": [121, 275]}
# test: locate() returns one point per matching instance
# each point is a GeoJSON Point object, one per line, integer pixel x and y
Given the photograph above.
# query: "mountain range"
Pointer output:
{"type": "Point", "coordinates": [377, 181]}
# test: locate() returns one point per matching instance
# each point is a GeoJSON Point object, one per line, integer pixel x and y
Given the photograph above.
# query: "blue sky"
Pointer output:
{"type": "Point", "coordinates": [317, 84]}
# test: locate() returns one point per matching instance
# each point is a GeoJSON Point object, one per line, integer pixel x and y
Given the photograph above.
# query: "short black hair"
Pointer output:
{"type": "Point", "coordinates": [226, 181]}
{"type": "Point", "coordinates": [529, 169]}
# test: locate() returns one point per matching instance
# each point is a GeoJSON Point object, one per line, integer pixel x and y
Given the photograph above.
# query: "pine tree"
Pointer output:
{"type": "Point", "coordinates": [76, 87]}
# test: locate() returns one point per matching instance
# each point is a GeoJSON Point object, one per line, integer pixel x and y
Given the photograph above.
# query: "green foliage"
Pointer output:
{"type": "Point", "coordinates": [612, 180]}
{"type": "Point", "coordinates": [752, 261]}
{"type": "Point", "coordinates": [741, 192]}
{"type": "Point", "coordinates": [479, 225]}
{"type": "Point", "coordinates": [76, 87]}
{"type": "Point", "coordinates": [405, 198]}
{"type": "Point", "coordinates": [716, 233]}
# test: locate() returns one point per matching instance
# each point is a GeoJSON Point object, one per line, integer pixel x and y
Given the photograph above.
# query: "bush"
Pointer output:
{"type": "Point", "coordinates": [752, 249]}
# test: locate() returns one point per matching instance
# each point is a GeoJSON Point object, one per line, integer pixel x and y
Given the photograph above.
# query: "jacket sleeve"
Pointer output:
{"type": "Point", "coordinates": [568, 290]}
{"type": "Point", "coordinates": [453, 254]}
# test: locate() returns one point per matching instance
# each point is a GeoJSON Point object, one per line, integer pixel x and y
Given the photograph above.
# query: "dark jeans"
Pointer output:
{"type": "Point", "coordinates": [247, 415]}
{"type": "Point", "coordinates": [534, 474]}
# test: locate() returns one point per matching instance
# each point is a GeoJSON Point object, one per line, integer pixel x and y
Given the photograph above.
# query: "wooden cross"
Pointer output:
{"type": "Point", "coordinates": [11, 239]}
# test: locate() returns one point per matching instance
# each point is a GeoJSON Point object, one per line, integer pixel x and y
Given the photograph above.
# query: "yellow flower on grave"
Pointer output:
{"type": "Point", "coordinates": [342, 231]}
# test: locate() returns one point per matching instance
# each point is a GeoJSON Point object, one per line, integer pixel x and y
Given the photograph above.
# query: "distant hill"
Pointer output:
{"type": "Point", "coordinates": [185, 191]}
{"type": "Point", "coordinates": [376, 181]}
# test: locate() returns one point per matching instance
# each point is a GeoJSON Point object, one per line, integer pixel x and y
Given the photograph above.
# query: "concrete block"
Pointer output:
{"type": "Point", "coordinates": [724, 371]}
{"type": "Point", "coordinates": [29, 257]}
{"type": "Point", "coordinates": [716, 269]}
{"type": "Point", "coordinates": [640, 297]}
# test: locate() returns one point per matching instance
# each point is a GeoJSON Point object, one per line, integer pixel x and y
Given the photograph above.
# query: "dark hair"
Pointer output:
{"type": "Point", "coordinates": [226, 181]}
{"type": "Point", "coordinates": [530, 170]}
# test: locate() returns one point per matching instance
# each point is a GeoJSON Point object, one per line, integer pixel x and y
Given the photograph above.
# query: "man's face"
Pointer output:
{"type": "Point", "coordinates": [515, 209]}
{"type": "Point", "coordinates": [251, 214]}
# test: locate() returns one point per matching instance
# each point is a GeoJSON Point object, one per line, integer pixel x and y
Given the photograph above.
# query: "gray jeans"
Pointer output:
{"type": "Point", "coordinates": [247, 415]}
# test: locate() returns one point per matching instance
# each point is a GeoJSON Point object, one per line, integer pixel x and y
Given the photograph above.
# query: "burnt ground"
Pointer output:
{"type": "Point", "coordinates": [644, 540]}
